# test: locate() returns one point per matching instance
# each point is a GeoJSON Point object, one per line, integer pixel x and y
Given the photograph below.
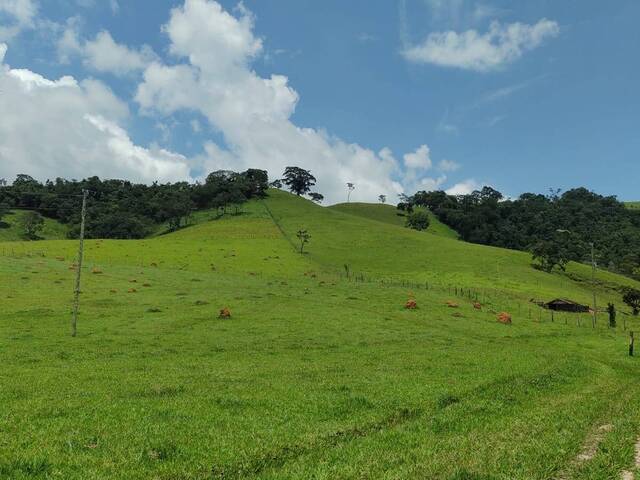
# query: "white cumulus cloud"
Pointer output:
{"type": "Point", "coordinates": [213, 76]}
{"type": "Point", "coordinates": [72, 129]}
{"type": "Point", "coordinates": [464, 188]}
{"type": "Point", "coordinates": [448, 165]}
{"type": "Point", "coordinates": [103, 53]}
{"type": "Point", "coordinates": [421, 158]}
{"type": "Point", "coordinates": [472, 50]}
{"type": "Point", "coordinates": [21, 15]}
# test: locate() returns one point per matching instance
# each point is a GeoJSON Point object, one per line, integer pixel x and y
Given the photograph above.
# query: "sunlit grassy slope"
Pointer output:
{"type": "Point", "coordinates": [390, 214]}
{"type": "Point", "coordinates": [634, 205]}
{"type": "Point", "coordinates": [314, 376]}
{"type": "Point", "coordinates": [10, 229]}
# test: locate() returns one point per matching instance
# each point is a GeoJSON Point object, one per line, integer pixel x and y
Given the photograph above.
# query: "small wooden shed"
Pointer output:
{"type": "Point", "coordinates": [565, 305]}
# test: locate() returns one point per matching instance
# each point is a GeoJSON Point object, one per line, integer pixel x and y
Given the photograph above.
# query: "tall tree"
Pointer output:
{"type": "Point", "coordinates": [418, 220]}
{"type": "Point", "coordinates": [32, 223]}
{"type": "Point", "coordinates": [632, 298]}
{"type": "Point", "coordinates": [298, 180]}
{"type": "Point", "coordinates": [303, 238]}
{"type": "Point", "coordinates": [350, 187]}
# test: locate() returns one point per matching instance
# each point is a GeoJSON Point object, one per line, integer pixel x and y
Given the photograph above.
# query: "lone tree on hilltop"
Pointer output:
{"type": "Point", "coordinates": [32, 223]}
{"type": "Point", "coordinates": [350, 187]}
{"type": "Point", "coordinates": [382, 198]}
{"type": "Point", "coordinates": [298, 180]}
{"type": "Point", "coordinates": [304, 238]}
{"type": "Point", "coordinates": [316, 197]}
{"type": "Point", "coordinates": [632, 298]}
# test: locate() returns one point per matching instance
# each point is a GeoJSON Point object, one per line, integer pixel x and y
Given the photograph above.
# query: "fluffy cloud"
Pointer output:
{"type": "Point", "coordinates": [75, 128]}
{"type": "Point", "coordinates": [472, 50]}
{"type": "Point", "coordinates": [102, 54]}
{"type": "Point", "coordinates": [448, 166]}
{"type": "Point", "coordinates": [71, 129]}
{"type": "Point", "coordinates": [252, 112]}
{"type": "Point", "coordinates": [421, 158]}
{"type": "Point", "coordinates": [21, 15]}
{"type": "Point", "coordinates": [464, 188]}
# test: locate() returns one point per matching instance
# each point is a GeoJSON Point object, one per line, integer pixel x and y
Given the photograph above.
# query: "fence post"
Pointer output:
{"type": "Point", "coordinates": [631, 344]}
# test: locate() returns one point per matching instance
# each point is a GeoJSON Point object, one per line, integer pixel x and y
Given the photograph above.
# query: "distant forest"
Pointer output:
{"type": "Point", "coordinates": [555, 228]}
{"type": "Point", "coordinates": [125, 210]}
{"type": "Point", "coordinates": [565, 224]}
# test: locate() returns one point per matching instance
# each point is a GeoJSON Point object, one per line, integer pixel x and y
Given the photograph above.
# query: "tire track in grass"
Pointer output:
{"type": "Point", "coordinates": [279, 457]}
{"type": "Point", "coordinates": [255, 465]}
{"type": "Point", "coordinates": [628, 474]}
{"type": "Point", "coordinates": [588, 450]}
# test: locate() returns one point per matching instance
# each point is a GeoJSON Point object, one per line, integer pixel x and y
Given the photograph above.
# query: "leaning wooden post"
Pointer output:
{"type": "Point", "coordinates": [76, 293]}
{"type": "Point", "coordinates": [631, 344]}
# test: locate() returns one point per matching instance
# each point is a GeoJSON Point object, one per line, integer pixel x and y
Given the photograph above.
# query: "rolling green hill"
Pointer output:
{"type": "Point", "coordinates": [316, 374]}
{"type": "Point", "coordinates": [390, 214]}
{"type": "Point", "coordinates": [10, 228]}
{"type": "Point", "coordinates": [634, 205]}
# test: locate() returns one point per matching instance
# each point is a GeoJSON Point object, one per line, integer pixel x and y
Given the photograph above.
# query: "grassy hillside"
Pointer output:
{"type": "Point", "coordinates": [10, 228]}
{"type": "Point", "coordinates": [389, 214]}
{"type": "Point", "coordinates": [315, 375]}
{"type": "Point", "coordinates": [634, 205]}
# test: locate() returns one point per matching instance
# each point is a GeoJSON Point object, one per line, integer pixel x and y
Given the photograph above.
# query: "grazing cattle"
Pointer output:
{"type": "Point", "coordinates": [225, 313]}
{"type": "Point", "coordinates": [504, 318]}
{"type": "Point", "coordinates": [452, 304]}
{"type": "Point", "coordinates": [477, 305]}
{"type": "Point", "coordinates": [411, 304]}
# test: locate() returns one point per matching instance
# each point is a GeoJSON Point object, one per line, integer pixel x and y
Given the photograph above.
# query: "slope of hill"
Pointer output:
{"type": "Point", "coordinates": [633, 205]}
{"type": "Point", "coordinates": [10, 228]}
{"type": "Point", "coordinates": [390, 214]}
{"type": "Point", "coordinates": [384, 250]}
{"type": "Point", "coordinates": [314, 375]}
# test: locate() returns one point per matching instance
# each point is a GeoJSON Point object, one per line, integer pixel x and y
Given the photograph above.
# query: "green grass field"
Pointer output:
{"type": "Point", "coordinates": [10, 229]}
{"type": "Point", "coordinates": [389, 214]}
{"type": "Point", "coordinates": [316, 375]}
{"type": "Point", "coordinates": [634, 205]}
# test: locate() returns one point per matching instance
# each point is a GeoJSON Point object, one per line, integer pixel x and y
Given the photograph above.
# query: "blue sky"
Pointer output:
{"type": "Point", "coordinates": [391, 95]}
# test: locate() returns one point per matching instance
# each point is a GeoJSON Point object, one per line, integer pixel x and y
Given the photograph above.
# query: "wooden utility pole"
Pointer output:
{"type": "Point", "coordinates": [76, 293]}
{"type": "Point", "coordinates": [631, 344]}
{"type": "Point", "coordinates": [593, 282]}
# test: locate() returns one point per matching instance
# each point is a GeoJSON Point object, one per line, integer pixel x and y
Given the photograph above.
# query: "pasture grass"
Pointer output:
{"type": "Point", "coordinates": [391, 215]}
{"type": "Point", "coordinates": [10, 229]}
{"type": "Point", "coordinates": [316, 375]}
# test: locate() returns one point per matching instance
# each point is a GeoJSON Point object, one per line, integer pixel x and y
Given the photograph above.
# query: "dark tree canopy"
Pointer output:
{"type": "Point", "coordinates": [298, 180]}
{"type": "Point", "coordinates": [632, 298]}
{"type": "Point", "coordinates": [121, 209]}
{"type": "Point", "coordinates": [4, 209]}
{"type": "Point", "coordinates": [31, 224]}
{"type": "Point", "coordinates": [550, 254]}
{"type": "Point", "coordinates": [316, 197]}
{"type": "Point", "coordinates": [531, 222]}
{"type": "Point", "coordinates": [418, 220]}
